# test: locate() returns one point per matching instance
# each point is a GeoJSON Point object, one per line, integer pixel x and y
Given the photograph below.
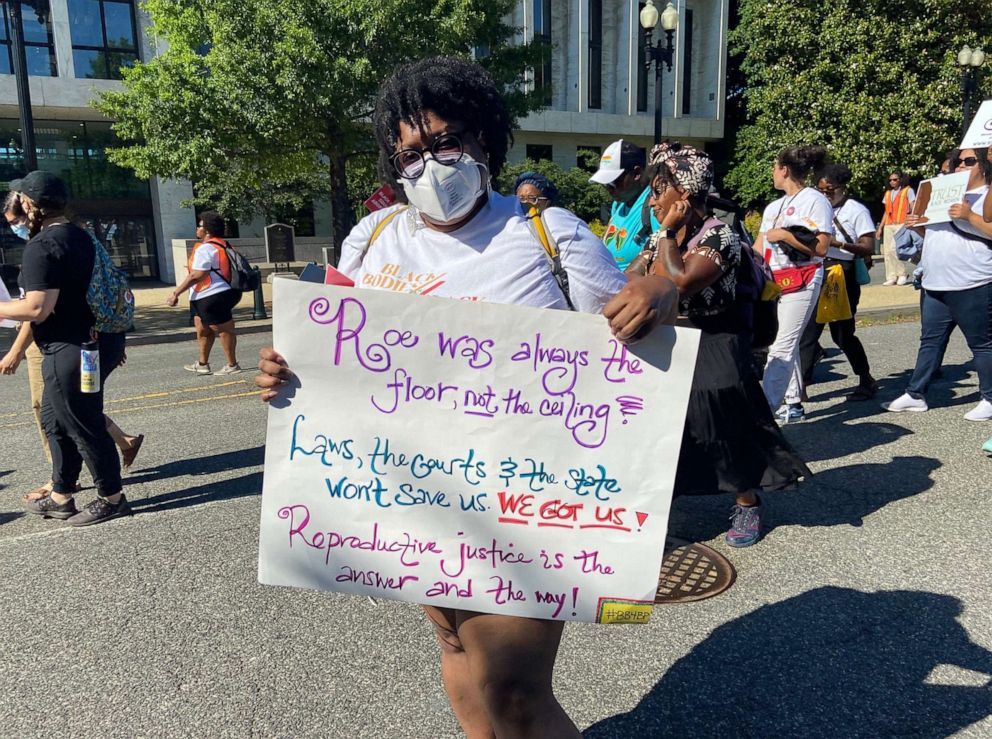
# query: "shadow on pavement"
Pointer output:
{"type": "Point", "coordinates": [4, 473]}
{"type": "Point", "coordinates": [238, 487]}
{"type": "Point", "coordinates": [8, 517]}
{"type": "Point", "coordinates": [830, 662]}
{"type": "Point", "coordinates": [845, 495]}
{"type": "Point", "coordinates": [211, 465]}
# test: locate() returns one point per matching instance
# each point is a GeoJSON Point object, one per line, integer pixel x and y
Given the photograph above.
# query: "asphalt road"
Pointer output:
{"type": "Point", "coordinates": [866, 611]}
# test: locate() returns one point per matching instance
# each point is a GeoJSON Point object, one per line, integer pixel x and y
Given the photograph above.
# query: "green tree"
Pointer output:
{"type": "Point", "coordinates": [575, 192]}
{"type": "Point", "coordinates": [875, 81]}
{"type": "Point", "coordinates": [260, 103]}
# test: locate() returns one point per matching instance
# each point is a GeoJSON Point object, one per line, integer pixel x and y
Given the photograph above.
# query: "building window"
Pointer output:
{"type": "Point", "coordinates": [642, 70]}
{"type": "Point", "coordinates": [542, 33]}
{"type": "Point", "coordinates": [687, 64]}
{"type": "Point", "coordinates": [39, 45]}
{"type": "Point", "coordinates": [104, 38]}
{"type": "Point", "coordinates": [596, 54]}
{"type": "Point", "coordinates": [108, 200]}
{"type": "Point", "coordinates": [539, 152]}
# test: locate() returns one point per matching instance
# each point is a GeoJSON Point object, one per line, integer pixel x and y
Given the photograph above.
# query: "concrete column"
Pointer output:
{"type": "Point", "coordinates": [582, 55]}
{"type": "Point", "coordinates": [62, 34]}
{"type": "Point", "coordinates": [172, 221]}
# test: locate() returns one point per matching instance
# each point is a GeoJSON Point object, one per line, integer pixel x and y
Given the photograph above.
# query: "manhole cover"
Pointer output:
{"type": "Point", "coordinates": [691, 571]}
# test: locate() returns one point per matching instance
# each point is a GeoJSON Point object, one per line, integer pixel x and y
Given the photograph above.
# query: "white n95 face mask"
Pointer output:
{"type": "Point", "coordinates": [444, 193]}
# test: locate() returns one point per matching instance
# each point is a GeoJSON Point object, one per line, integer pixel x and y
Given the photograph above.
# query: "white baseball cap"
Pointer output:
{"type": "Point", "coordinates": [618, 158]}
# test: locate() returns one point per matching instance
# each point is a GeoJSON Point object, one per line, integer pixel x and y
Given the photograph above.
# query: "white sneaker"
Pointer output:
{"type": "Point", "coordinates": [906, 402]}
{"type": "Point", "coordinates": [890, 282]}
{"type": "Point", "coordinates": [901, 280]}
{"type": "Point", "coordinates": [200, 369]}
{"type": "Point", "coordinates": [231, 369]}
{"type": "Point", "coordinates": [981, 412]}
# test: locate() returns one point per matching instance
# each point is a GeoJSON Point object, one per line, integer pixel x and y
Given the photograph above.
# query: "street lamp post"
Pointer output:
{"type": "Point", "coordinates": [656, 53]}
{"type": "Point", "coordinates": [40, 8]}
{"type": "Point", "coordinates": [969, 60]}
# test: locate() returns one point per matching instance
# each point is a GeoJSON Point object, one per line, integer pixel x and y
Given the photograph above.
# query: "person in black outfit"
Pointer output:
{"type": "Point", "coordinates": [730, 442]}
{"type": "Point", "coordinates": [57, 264]}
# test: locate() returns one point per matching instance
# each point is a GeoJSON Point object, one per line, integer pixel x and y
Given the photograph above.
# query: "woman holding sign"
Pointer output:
{"type": "Point", "coordinates": [443, 131]}
{"type": "Point", "coordinates": [957, 284]}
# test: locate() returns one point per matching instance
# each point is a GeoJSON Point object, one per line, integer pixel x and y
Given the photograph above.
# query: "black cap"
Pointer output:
{"type": "Point", "coordinates": [44, 188]}
{"type": "Point", "coordinates": [632, 155]}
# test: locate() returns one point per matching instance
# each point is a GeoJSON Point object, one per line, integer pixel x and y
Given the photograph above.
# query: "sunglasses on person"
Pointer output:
{"type": "Point", "coordinates": [533, 200]}
{"type": "Point", "coordinates": [827, 190]}
{"type": "Point", "coordinates": [967, 161]}
{"type": "Point", "coordinates": [446, 149]}
{"type": "Point", "coordinates": [893, 179]}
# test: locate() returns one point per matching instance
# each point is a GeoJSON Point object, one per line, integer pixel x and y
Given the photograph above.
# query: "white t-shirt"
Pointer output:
{"type": "Point", "coordinates": [954, 262]}
{"type": "Point", "coordinates": [496, 258]}
{"type": "Point", "coordinates": [206, 259]}
{"type": "Point", "coordinates": [808, 208]}
{"type": "Point", "coordinates": [856, 220]}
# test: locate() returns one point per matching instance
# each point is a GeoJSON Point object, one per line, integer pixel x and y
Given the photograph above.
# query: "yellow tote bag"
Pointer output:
{"type": "Point", "coordinates": [833, 304]}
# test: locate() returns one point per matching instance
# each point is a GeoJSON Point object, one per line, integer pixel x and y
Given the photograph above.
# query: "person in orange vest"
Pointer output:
{"type": "Point", "coordinates": [898, 201]}
{"type": "Point", "coordinates": [211, 299]}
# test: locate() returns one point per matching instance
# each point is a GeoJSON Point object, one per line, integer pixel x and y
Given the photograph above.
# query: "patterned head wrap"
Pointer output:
{"type": "Point", "coordinates": [691, 169]}
{"type": "Point", "coordinates": [542, 183]}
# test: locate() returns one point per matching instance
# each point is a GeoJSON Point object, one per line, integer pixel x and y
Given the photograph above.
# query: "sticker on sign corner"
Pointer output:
{"type": "Point", "coordinates": [621, 611]}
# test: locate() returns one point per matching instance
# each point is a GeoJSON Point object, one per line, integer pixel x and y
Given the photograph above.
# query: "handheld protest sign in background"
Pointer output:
{"type": "Point", "coordinates": [486, 457]}
{"type": "Point", "coordinates": [945, 191]}
{"type": "Point", "coordinates": [979, 134]}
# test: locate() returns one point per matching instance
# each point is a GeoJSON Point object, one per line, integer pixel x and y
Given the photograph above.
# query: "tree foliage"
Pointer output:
{"type": "Point", "coordinates": [260, 103]}
{"type": "Point", "coordinates": [873, 80]}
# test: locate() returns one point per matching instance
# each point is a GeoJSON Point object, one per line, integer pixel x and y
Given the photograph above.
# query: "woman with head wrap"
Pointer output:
{"type": "Point", "coordinates": [534, 190]}
{"type": "Point", "coordinates": [730, 442]}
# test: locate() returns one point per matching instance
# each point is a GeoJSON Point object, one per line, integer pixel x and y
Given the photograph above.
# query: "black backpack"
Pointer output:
{"type": "Point", "coordinates": [243, 277]}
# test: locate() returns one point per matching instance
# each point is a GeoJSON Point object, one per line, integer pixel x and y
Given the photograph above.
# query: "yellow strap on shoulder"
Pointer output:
{"type": "Point", "coordinates": [382, 227]}
{"type": "Point", "coordinates": [542, 234]}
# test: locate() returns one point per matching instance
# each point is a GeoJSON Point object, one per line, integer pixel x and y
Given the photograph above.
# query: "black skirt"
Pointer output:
{"type": "Point", "coordinates": [731, 442]}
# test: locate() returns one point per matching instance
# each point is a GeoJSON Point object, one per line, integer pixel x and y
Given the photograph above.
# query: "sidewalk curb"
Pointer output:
{"type": "Point", "coordinates": [189, 334]}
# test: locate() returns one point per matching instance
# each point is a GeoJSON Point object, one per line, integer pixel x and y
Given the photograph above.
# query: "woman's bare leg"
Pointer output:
{"type": "Point", "coordinates": [503, 665]}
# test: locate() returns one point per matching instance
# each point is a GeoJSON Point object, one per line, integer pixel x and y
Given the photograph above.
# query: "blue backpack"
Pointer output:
{"type": "Point", "coordinates": [109, 295]}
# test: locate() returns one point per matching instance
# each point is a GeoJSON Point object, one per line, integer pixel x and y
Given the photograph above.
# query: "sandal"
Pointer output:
{"type": "Point", "coordinates": [43, 491]}
{"type": "Point", "coordinates": [128, 455]}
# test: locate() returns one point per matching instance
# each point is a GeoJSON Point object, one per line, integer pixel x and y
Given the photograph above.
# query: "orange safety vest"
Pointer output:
{"type": "Point", "coordinates": [225, 264]}
{"type": "Point", "coordinates": [896, 208]}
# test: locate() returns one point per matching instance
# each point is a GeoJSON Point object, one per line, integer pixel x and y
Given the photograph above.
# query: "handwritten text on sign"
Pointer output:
{"type": "Point", "coordinates": [485, 457]}
{"type": "Point", "coordinates": [979, 134]}
{"type": "Point", "coordinates": [945, 191]}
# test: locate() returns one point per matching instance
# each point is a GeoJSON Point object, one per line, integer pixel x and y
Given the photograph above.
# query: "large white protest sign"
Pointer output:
{"type": "Point", "coordinates": [485, 457]}
{"type": "Point", "coordinates": [979, 135]}
{"type": "Point", "coordinates": [945, 191]}
{"type": "Point", "coordinates": [4, 297]}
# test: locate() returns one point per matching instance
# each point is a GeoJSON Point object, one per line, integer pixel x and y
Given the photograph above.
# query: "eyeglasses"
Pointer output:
{"type": "Point", "coordinates": [534, 200]}
{"type": "Point", "coordinates": [446, 149]}
{"type": "Point", "coordinates": [967, 162]}
{"type": "Point", "coordinates": [893, 179]}
{"type": "Point", "coordinates": [827, 190]}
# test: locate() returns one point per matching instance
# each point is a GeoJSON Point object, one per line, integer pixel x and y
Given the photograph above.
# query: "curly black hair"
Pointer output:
{"type": "Point", "coordinates": [213, 223]}
{"type": "Point", "coordinates": [452, 88]}
{"type": "Point", "coordinates": [839, 174]}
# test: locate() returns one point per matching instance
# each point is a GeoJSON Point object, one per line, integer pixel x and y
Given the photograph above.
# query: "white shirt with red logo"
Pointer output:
{"type": "Point", "coordinates": [808, 208]}
{"type": "Point", "coordinates": [496, 258]}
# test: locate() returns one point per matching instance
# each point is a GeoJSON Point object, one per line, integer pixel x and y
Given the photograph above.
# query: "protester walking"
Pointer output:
{"type": "Point", "coordinates": [957, 289]}
{"type": "Point", "coordinates": [794, 236]}
{"type": "Point", "coordinates": [898, 201]}
{"type": "Point", "coordinates": [57, 265]}
{"type": "Point", "coordinates": [212, 298]}
{"type": "Point", "coordinates": [622, 172]}
{"type": "Point", "coordinates": [730, 442]}
{"type": "Point", "coordinates": [853, 241]}
{"type": "Point", "coordinates": [443, 129]}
